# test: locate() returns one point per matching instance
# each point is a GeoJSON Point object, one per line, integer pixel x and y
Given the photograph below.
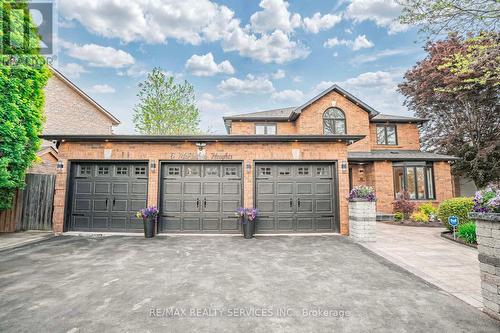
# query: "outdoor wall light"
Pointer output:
{"type": "Point", "coordinates": [248, 167]}
{"type": "Point", "coordinates": [153, 166]}
{"type": "Point", "coordinates": [343, 166]}
{"type": "Point", "coordinates": [59, 166]}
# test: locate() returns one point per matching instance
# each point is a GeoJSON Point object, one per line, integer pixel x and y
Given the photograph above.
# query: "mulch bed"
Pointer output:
{"type": "Point", "coordinates": [409, 223]}
{"type": "Point", "coordinates": [449, 235]}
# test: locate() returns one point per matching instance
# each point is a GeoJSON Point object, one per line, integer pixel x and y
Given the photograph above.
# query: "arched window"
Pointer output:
{"type": "Point", "coordinates": [334, 121]}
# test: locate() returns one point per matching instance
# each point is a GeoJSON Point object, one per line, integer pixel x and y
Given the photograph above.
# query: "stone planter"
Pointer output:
{"type": "Point", "coordinates": [362, 220]}
{"type": "Point", "coordinates": [488, 244]}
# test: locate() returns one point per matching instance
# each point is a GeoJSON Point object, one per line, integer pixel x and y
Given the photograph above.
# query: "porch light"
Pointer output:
{"type": "Point", "coordinates": [59, 166]}
{"type": "Point", "coordinates": [153, 166]}
{"type": "Point", "coordinates": [248, 167]}
{"type": "Point", "coordinates": [343, 166]}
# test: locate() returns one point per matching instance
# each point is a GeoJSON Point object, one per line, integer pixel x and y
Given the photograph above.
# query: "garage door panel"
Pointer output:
{"type": "Point", "coordinates": [191, 223]}
{"type": "Point", "coordinates": [102, 188]}
{"type": "Point", "coordinates": [229, 224]}
{"type": "Point", "coordinates": [211, 224]}
{"type": "Point", "coordinates": [230, 206]}
{"type": "Point", "coordinates": [285, 223]}
{"type": "Point", "coordinates": [284, 188]}
{"type": "Point", "coordinates": [172, 188]}
{"type": "Point", "coordinates": [81, 222]}
{"type": "Point", "coordinates": [83, 205]}
{"type": "Point", "coordinates": [140, 188]}
{"type": "Point", "coordinates": [231, 188]}
{"type": "Point", "coordinates": [265, 223]}
{"type": "Point", "coordinates": [304, 188]}
{"type": "Point", "coordinates": [265, 188]}
{"type": "Point", "coordinates": [191, 206]}
{"type": "Point", "coordinates": [324, 223]}
{"type": "Point", "coordinates": [304, 223]}
{"type": "Point", "coordinates": [120, 188]}
{"type": "Point", "coordinates": [265, 206]}
{"type": "Point", "coordinates": [119, 222]}
{"type": "Point", "coordinates": [306, 206]}
{"type": "Point", "coordinates": [211, 188]}
{"type": "Point", "coordinates": [211, 206]}
{"type": "Point", "coordinates": [100, 222]}
{"type": "Point", "coordinates": [83, 187]}
{"type": "Point", "coordinates": [192, 188]}
{"type": "Point", "coordinates": [172, 224]}
{"type": "Point", "coordinates": [120, 205]}
{"type": "Point", "coordinates": [324, 188]}
{"type": "Point", "coordinates": [284, 206]}
{"type": "Point", "coordinates": [137, 204]}
{"type": "Point", "coordinates": [324, 206]}
{"type": "Point", "coordinates": [172, 206]}
{"type": "Point", "coordinates": [100, 205]}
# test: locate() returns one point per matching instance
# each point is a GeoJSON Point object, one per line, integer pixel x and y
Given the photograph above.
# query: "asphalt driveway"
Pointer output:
{"type": "Point", "coordinates": [219, 284]}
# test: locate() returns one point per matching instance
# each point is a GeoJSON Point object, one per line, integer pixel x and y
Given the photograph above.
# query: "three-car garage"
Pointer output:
{"type": "Point", "coordinates": [202, 196]}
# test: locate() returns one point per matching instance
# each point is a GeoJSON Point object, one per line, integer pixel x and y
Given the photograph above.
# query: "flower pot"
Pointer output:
{"type": "Point", "coordinates": [248, 229]}
{"type": "Point", "coordinates": [149, 227]}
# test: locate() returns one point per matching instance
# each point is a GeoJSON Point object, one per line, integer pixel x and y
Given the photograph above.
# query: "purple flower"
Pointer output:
{"type": "Point", "coordinates": [147, 212]}
{"type": "Point", "coordinates": [362, 192]}
{"type": "Point", "coordinates": [487, 200]}
{"type": "Point", "coordinates": [250, 213]}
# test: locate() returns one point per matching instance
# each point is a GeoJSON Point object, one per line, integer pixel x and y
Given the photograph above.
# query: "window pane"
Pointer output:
{"type": "Point", "coordinates": [328, 126]}
{"type": "Point", "coordinates": [333, 113]}
{"type": "Point", "coordinates": [430, 184]}
{"type": "Point", "coordinates": [391, 135]}
{"type": "Point", "coordinates": [420, 182]}
{"type": "Point", "coordinates": [381, 135]}
{"type": "Point", "coordinates": [339, 126]}
{"type": "Point", "coordinates": [398, 180]}
{"type": "Point", "coordinates": [410, 182]}
{"type": "Point", "coordinates": [260, 129]}
{"type": "Point", "coordinates": [271, 129]}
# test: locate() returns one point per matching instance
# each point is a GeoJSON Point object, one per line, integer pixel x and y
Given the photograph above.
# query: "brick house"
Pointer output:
{"type": "Point", "coordinates": [68, 109]}
{"type": "Point", "coordinates": [296, 165]}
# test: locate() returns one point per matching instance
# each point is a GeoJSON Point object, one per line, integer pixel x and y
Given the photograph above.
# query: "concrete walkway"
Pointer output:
{"type": "Point", "coordinates": [14, 240]}
{"type": "Point", "coordinates": [450, 266]}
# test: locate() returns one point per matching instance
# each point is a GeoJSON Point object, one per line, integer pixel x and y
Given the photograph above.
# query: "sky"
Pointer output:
{"type": "Point", "coordinates": [240, 56]}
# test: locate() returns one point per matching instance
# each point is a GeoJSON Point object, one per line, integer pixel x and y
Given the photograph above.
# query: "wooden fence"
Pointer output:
{"type": "Point", "coordinates": [33, 206]}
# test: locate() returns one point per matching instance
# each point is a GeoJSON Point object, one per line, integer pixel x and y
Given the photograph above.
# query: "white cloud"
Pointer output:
{"type": "Point", "coordinates": [100, 56]}
{"type": "Point", "coordinates": [205, 65]}
{"type": "Point", "coordinates": [297, 79]}
{"type": "Point", "coordinates": [136, 70]}
{"type": "Point", "coordinates": [378, 89]}
{"type": "Point", "coordinates": [208, 104]}
{"type": "Point", "coordinates": [101, 89]}
{"type": "Point", "coordinates": [274, 16]}
{"type": "Point", "coordinates": [275, 47]}
{"type": "Point", "coordinates": [361, 59]}
{"type": "Point", "coordinates": [249, 85]}
{"type": "Point", "coordinates": [153, 21]}
{"type": "Point", "coordinates": [361, 42]}
{"type": "Point", "coordinates": [316, 23]}
{"type": "Point", "coordinates": [72, 70]}
{"type": "Point", "coordinates": [382, 12]}
{"type": "Point", "coordinates": [288, 96]}
{"type": "Point", "coordinates": [279, 74]}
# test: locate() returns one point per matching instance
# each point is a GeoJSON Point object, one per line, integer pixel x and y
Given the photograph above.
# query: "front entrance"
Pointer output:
{"type": "Point", "coordinates": [106, 196]}
{"type": "Point", "coordinates": [296, 197]}
{"type": "Point", "coordinates": [200, 197]}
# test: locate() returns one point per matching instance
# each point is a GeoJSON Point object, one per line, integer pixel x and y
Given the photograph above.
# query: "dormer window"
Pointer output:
{"type": "Point", "coordinates": [386, 135]}
{"type": "Point", "coordinates": [334, 121]}
{"type": "Point", "coordinates": [265, 129]}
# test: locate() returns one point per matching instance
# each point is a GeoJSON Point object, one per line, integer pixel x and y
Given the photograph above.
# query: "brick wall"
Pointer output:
{"type": "Point", "coordinates": [67, 112]}
{"type": "Point", "coordinates": [46, 164]}
{"type": "Point", "coordinates": [246, 152]}
{"type": "Point", "coordinates": [248, 128]}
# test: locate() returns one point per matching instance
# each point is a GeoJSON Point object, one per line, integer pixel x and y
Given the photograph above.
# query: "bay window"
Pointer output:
{"type": "Point", "coordinates": [415, 178]}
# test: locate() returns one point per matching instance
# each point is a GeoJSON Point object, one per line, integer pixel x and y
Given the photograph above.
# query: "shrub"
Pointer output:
{"type": "Point", "coordinates": [487, 200]}
{"type": "Point", "coordinates": [420, 217]}
{"type": "Point", "coordinates": [362, 192]}
{"type": "Point", "coordinates": [467, 232]}
{"type": "Point", "coordinates": [427, 208]}
{"type": "Point", "coordinates": [459, 207]}
{"type": "Point", "coordinates": [403, 204]}
{"type": "Point", "coordinates": [398, 216]}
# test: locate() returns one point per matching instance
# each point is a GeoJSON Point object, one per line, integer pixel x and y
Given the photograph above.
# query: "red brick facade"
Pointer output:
{"type": "Point", "coordinates": [310, 122]}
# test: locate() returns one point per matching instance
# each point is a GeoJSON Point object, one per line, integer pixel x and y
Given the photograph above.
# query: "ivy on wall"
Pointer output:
{"type": "Point", "coordinates": [23, 76]}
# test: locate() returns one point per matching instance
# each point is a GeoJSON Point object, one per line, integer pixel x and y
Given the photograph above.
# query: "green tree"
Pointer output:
{"type": "Point", "coordinates": [23, 76]}
{"type": "Point", "coordinates": [165, 108]}
{"type": "Point", "coordinates": [436, 17]}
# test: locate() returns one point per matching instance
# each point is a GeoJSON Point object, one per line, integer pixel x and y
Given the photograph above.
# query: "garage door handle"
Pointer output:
{"type": "Point", "coordinates": [106, 202]}
{"type": "Point", "coordinates": [114, 200]}
{"type": "Point", "coordinates": [205, 203]}
{"type": "Point", "coordinates": [298, 202]}
{"type": "Point", "coordinates": [327, 178]}
{"type": "Point", "coordinates": [327, 215]}
{"type": "Point", "coordinates": [197, 202]}
{"type": "Point", "coordinates": [291, 202]}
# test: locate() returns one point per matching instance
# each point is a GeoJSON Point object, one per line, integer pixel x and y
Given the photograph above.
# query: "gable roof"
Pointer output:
{"type": "Point", "coordinates": [398, 155]}
{"type": "Point", "coordinates": [282, 114]}
{"type": "Point", "coordinates": [80, 92]}
{"type": "Point", "coordinates": [341, 91]}
{"type": "Point", "coordinates": [389, 118]}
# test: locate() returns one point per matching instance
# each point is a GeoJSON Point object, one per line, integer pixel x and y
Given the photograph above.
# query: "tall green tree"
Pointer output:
{"type": "Point", "coordinates": [457, 87]}
{"type": "Point", "coordinates": [23, 76]}
{"type": "Point", "coordinates": [437, 17]}
{"type": "Point", "coordinates": [165, 107]}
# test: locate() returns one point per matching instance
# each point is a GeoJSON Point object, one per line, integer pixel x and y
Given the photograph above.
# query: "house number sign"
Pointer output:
{"type": "Point", "coordinates": [198, 156]}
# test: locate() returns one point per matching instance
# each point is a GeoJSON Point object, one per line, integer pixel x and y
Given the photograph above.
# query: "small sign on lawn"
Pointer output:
{"type": "Point", "coordinates": [453, 221]}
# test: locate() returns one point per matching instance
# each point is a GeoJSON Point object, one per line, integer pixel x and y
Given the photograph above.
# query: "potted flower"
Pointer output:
{"type": "Point", "coordinates": [247, 218]}
{"type": "Point", "coordinates": [148, 216]}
